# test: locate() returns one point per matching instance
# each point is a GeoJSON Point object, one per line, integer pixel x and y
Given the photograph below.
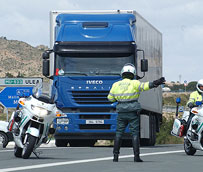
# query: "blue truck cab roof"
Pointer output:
{"type": "Point", "coordinates": [94, 27]}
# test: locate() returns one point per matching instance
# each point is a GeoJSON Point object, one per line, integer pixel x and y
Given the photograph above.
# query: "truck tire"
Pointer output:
{"type": "Point", "coordinates": [152, 133]}
{"type": "Point", "coordinates": [4, 139]}
{"type": "Point", "coordinates": [18, 151]}
{"type": "Point", "coordinates": [29, 146]}
{"type": "Point", "coordinates": [61, 143]}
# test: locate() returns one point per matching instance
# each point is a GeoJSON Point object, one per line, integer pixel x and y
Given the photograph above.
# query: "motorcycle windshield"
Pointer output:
{"type": "Point", "coordinates": [41, 92]}
{"type": "Point", "coordinates": [37, 90]}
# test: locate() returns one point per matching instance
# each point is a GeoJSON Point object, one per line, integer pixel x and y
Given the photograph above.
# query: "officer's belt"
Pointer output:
{"type": "Point", "coordinates": [127, 101]}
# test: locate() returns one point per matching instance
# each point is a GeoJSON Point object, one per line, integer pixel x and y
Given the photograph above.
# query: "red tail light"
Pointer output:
{"type": "Point", "coordinates": [181, 130]}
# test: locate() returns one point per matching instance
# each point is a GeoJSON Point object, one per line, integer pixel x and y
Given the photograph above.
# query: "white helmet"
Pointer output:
{"type": "Point", "coordinates": [128, 68]}
{"type": "Point", "coordinates": [199, 83]}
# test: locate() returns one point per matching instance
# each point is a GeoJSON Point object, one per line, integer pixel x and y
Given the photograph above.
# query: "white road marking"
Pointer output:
{"type": "Point", "coordinates": [41, 148]}
{"type": "Point", "coordinates": [82, 161]}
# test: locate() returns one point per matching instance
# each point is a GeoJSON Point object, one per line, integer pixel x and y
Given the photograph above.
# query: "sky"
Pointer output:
{"type": "Point", "coordinates": [179, 21]}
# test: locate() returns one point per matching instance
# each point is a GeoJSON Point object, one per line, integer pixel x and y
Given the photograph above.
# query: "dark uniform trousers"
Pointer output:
{"type": "Point", "coordinates": [125, 118]}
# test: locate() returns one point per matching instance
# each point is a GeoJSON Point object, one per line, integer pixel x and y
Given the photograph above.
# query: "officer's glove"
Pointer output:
{"type": "Point", "coordinates": [190, 105]}
{"type": "Point", "coordinates": [158, 82]}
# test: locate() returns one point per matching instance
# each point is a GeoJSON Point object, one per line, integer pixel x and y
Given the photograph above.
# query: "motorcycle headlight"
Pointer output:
{"type": "Point", "coordinates": [41, 112]}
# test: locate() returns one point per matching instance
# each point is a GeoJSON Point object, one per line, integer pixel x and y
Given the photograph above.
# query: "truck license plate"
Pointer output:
{"type": "Point", "coordinates": [94, 121]}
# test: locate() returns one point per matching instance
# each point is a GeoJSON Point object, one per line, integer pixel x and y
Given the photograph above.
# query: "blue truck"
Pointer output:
{"type": "Point", "coordinates": [87, 51]}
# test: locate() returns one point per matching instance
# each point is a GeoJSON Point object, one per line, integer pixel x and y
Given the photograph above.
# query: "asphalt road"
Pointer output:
{"type": "Point", "coordinates": [159, 158]}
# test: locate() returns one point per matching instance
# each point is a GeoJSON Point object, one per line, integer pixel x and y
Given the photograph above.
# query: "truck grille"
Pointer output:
{"type": "Point", "coordinates": [90, 97]}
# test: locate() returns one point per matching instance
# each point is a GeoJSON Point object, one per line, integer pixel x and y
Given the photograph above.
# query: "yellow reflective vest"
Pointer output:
{"type": "Point", "coordinates": [194, 97]}
{"type": "Point", "coordinates": [127, 90]}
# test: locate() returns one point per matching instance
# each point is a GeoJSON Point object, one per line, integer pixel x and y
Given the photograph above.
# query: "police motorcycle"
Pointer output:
{"type": "Point", "coordinates": [31, 122]}
{"type": "Point", "coordinates": [193, 137]}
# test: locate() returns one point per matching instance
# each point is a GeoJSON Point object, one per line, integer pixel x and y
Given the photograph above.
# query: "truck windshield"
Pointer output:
{"type": "Point", "coordinates": [91, 66]}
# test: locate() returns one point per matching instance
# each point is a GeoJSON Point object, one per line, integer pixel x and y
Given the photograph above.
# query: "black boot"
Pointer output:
{"type": "Point", "coordinates": [136, 149]}
{"type": "Point", "coordinates": [116, 149]}
{"type": "Point", "coordinates": [115, 157]}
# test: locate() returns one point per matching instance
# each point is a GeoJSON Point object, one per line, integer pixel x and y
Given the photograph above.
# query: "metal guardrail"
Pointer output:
{"type": "Point", "coordinates": [172, 108]}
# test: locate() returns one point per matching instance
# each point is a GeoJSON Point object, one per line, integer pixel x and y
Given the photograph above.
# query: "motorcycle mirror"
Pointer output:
{"type": "Point", "coordinates": [178, 100]}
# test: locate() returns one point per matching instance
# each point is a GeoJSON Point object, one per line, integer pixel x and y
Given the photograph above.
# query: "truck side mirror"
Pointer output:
{"type": "Point", "coordinates": [144, 65]}
{"type": "Point", "coordinates": [45, 55]}
{"type": "Point", "coordinates": [45, 68]}
{"type": "Point", "coordinates": [144, 62]}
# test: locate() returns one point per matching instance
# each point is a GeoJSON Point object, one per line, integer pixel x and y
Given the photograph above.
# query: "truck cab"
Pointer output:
{"type": "Point", "coordinates": [88, 52]}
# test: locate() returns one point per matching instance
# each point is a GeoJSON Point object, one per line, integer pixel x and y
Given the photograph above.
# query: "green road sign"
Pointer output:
{"type": "Point", "coordinates": [19, 81]}
{"type": "Point", "coordinates": [13, 81]}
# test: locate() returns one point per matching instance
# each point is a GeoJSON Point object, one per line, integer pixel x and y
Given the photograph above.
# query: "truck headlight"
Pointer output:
{"type": "Point", "coordinates": [41, 112]}
{"type": "Point", "coordinates": [62, 121]}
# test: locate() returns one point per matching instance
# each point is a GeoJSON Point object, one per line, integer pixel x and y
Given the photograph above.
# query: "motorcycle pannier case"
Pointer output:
{"type": "Point", "coordinates": [179, 127]}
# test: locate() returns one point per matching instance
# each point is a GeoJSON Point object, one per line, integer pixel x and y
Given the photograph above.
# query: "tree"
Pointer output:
{"type": "Point", "coordinates": [9, 75]}
{"type": "Point", "coordinates": [20, 75]}
{"type": "Point", "coordinates": [191, 86]}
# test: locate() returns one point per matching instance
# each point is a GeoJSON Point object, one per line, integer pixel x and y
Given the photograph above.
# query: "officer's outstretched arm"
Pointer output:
{"type": "Point", "coordinates": [158, 82]}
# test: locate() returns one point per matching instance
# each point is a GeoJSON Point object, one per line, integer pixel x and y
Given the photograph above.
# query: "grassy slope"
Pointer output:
{"type": "Point", "coordinates": [164, 136]}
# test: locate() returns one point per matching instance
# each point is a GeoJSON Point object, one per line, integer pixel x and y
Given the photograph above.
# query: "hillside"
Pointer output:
{"type": "Point", "coordinates": [169, 98]}
{"type": "Point", "coordinates": [19, 58]}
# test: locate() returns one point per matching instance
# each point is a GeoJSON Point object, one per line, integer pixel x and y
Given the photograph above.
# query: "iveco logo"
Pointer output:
{"type": "Point", "coordinates": [94, 82]}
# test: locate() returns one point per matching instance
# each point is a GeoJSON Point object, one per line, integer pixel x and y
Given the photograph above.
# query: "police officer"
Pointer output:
{"type": "Point", "coordinates": [126, 92]}
{"type": "Point", "coordinates": [194, 97]}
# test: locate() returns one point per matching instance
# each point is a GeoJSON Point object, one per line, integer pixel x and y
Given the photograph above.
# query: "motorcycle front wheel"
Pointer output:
{"type": "Point", "coordinates": [18, 151]}
{"type": "Point", "coordinates": [189, 150]}
{"type": "Point", "coordinates": [28, 146]}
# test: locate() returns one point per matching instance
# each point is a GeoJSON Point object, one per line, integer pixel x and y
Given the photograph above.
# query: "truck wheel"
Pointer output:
{"type": "Point", "coordinates": [152, 132]}
{"type": "Point", "coordinates": [4, 138]}
{"type": "Point", "coordinates": [61, 143]}
{"type": "Point", "coordinates": [29, 146]}
{"type": "Point", "coordinates": [18, 151]}
{"type": "Point", "coordinates": [189, 150]}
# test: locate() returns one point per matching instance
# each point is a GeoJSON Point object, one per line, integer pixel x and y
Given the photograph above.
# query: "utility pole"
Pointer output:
{"type": "Point", "coordinates": [180, 76]}
{"type": "Point", "coordinates": [185, 84]}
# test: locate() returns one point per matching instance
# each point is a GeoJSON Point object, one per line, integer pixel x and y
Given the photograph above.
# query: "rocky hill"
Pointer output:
{"type": "Point", "coordinates": [20, 59]}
